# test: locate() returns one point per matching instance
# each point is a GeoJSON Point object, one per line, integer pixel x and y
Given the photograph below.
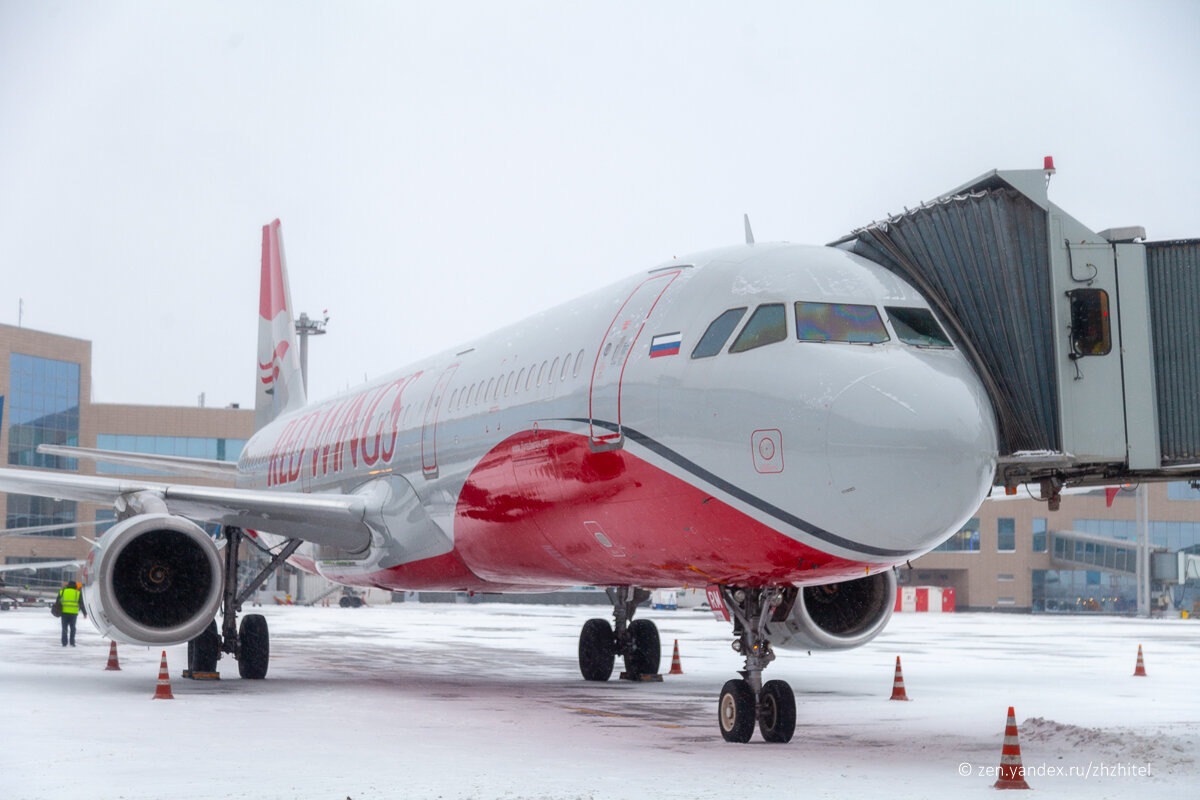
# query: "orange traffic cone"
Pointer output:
{"type": "Point", "coordinates": [676, 667]}
{"type": "Point", "coordinates": [898, 684]}
{"type": "Point", "coordinates": [113, 664]}
{"type": "Point", "coordinates": [163, 692]}
{"type": "Point", "coordinates": [1012, 773]}
{"type": "Point", "coordinates": [1140, 669]}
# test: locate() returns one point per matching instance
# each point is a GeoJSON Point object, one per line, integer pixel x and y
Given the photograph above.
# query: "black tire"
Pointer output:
{"type": "Point", "coordinates": [344, 602]}
{"type": "Point", "coordinates": [254, 647]}
{"type": "Point", "coordinates": [597, 650]}
{"type": "Point", "coordinates": [647, 650]}
{"type": "Point", "coordinates": [735, 711]}
{"type": "Point", "coordinates": [777, 722]}
{"type": "Point", "coordinates": [205, 650]}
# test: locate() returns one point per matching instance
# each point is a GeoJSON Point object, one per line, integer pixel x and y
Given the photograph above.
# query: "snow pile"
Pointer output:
{"type": "Point", "coordinates": [1159, 751]}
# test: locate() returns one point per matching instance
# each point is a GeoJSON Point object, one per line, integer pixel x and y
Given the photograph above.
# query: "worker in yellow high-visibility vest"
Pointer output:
{"type": "Point", "coordinates": [70, 599]}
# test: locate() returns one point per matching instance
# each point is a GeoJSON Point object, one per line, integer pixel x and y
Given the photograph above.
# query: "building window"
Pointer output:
{"type": "Point", "coordinates": [26, 511]}
{"type": "Point", "coordinates": [1172, 535]}
{"type": "Point", "coordinates": [1006, 535]}
{"type": "Point", "coordinates": [1180, 490]}
{"type": "Point", "coordinates": [1006, 601]}
{"type": "Point", "coordinates": [43, 403]}
{"type": "Point", "coordinates": [966, 540]}
{"type": "Point", "coordinates": [1039, 534]}
{"type": "Point", "coordinates": [1005, 576]}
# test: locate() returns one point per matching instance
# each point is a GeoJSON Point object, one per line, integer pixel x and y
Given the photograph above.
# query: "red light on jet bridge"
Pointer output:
{"type": "Point", "coordinates": [1048, 165]}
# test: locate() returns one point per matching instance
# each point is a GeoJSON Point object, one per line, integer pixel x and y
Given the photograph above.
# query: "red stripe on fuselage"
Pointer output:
{"type": "Point", "coordinates": [542, 509]}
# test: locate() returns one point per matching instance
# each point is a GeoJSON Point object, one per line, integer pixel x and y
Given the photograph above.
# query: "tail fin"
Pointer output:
{"type": "Point", "coordinates": [280, 383]}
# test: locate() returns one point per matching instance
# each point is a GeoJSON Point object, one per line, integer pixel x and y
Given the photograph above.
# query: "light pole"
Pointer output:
{"type": "Point", "coordinates": [306, 327]}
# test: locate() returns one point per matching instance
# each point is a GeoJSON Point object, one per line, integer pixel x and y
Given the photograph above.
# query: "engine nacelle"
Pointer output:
{"type": "Point", "coordinates": [153, 579]}
{"type": "Point", "coordinates": [837, 616]}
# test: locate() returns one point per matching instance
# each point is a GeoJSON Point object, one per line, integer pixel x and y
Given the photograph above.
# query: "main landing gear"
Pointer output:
{"type": "Point", "coordinates": [635, 640]}
{"type": "Point", "coordinates": [250, 643]}
{"type": "Point", "coordinates": [748, 700]}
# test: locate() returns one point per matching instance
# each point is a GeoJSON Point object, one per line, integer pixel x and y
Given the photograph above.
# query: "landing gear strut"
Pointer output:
{"type": "Point", "coordinates": [636, 641]}
{"type": "Point", "coordinates": [251, 644]}
{"type": "Point", "coordinates": [748, 700]}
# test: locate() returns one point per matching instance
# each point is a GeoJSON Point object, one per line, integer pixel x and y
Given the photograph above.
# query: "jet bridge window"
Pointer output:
{"type": "Point", "coordinates": [718, 333]}
{"type": "Point", "coordinates": [767, 325]}
{"type": "Point", "coordinates": [917, 326]}
{"type": "Point", "coordinates": [839, 322]}
{"type": "Point", "coordinates": [1090, 331]}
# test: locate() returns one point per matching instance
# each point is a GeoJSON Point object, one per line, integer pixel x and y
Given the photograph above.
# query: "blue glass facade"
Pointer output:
{"type": "Point", "coordinates": [1171, 535]}
{"type": "Point", "coordinates": [26, 511]}
{"type": "Point", "coordinates": [1181, 490]}
{"type": "Point", "coordinates": [189, 446]}
{"type": "Point", "coordinates": [43, 408]}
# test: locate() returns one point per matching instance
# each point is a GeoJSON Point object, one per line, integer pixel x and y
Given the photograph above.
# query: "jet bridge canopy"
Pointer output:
{"type": "Point", "coordinates": [1086, 342]}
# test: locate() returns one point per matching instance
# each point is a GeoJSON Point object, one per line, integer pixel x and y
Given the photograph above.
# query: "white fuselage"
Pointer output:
{"type": "Point", "coordinates": [578, 447]}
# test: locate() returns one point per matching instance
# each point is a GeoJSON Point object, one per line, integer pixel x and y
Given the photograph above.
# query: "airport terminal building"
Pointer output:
{"type": "Point", "coordinates": [1017, 555]}
{"type": "Point", "coordinates": [45, 398]}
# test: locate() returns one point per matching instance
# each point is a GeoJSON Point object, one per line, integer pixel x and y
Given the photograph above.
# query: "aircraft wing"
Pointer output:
{"type": "Point", "coordinates": [174, 465]}
{"type": "Point", "coordinates": [338, 520]}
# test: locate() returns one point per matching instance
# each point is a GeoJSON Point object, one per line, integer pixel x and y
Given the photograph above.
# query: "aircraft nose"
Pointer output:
{"type": "Point", "coordinates": [912, 452]}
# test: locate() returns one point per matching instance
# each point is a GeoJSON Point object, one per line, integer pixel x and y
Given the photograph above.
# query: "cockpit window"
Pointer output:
{"type": "Point", "coordinates": [839, 322]}
{"type": "Point", "coordinates": [917, 326]}
{"type": "Point", "coordinates": [767, 325]}
{"type": "Point", "coordinates": [718, 333]}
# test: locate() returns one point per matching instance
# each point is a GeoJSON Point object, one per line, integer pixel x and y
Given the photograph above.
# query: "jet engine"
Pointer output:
{"type": "Point", "coordinates": [837, 616]}
{"type": "Point", "coordinates": [153, 579]}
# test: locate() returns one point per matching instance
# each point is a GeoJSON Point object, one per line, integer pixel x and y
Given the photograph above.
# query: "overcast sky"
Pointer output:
{"type": "Point", "coordinates": [445, 168]}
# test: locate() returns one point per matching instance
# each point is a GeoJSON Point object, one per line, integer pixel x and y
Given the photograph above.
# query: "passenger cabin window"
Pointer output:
{"type": "Point", "coordinates": [1090, 331]}
{"type": "Point", "coordinates": [718, 333]}
{"type": "Point", "coordinates": [917, 326]}
{"type": "Point", "coordinates": [839, 322]}
{"type": "Point", "coordinates": [767, 325]}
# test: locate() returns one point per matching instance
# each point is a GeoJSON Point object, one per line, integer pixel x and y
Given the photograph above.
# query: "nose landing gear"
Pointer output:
{"type": "Point", "coordinates": [747, 701]}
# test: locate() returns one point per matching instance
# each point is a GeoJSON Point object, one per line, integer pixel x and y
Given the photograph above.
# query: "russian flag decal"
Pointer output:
{"type": "Point", "coordinates": [665, 344]}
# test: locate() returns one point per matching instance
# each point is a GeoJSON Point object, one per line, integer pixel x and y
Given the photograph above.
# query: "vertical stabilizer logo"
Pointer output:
{"type": "Point", "coordinates": [269, 372]}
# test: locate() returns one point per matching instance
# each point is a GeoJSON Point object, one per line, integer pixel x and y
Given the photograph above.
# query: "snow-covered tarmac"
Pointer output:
{"type": "Point", "coordinates": [485, 701]}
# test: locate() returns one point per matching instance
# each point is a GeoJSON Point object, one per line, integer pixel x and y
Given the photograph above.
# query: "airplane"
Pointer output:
{"type": "Point", "coordinates": [780, 424]}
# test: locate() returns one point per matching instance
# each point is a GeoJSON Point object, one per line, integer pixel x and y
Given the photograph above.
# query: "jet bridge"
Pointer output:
{"type": "Point", "coordinates": [1088, 343]}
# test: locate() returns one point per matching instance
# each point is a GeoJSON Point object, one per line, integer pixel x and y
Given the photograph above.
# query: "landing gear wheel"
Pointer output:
{"type": "Point", "coordinates": [254, 647]}
{"type": "Point", "coordinates": [735, 711]}
{"type": "Point", "coordinates": [647, 650]}
{"type": "Point", "coordinates": [205, 650]}
{"type": "Point", "coordinates": [597, 650]}
{"type": "Point", "coordinates": [777, 712]}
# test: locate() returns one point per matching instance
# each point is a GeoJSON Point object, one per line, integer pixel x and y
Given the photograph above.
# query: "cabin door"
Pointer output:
{"type": "Point", "coordinates": [608, 371]}
{"type": "Point", "coordinates": [429, 462]}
